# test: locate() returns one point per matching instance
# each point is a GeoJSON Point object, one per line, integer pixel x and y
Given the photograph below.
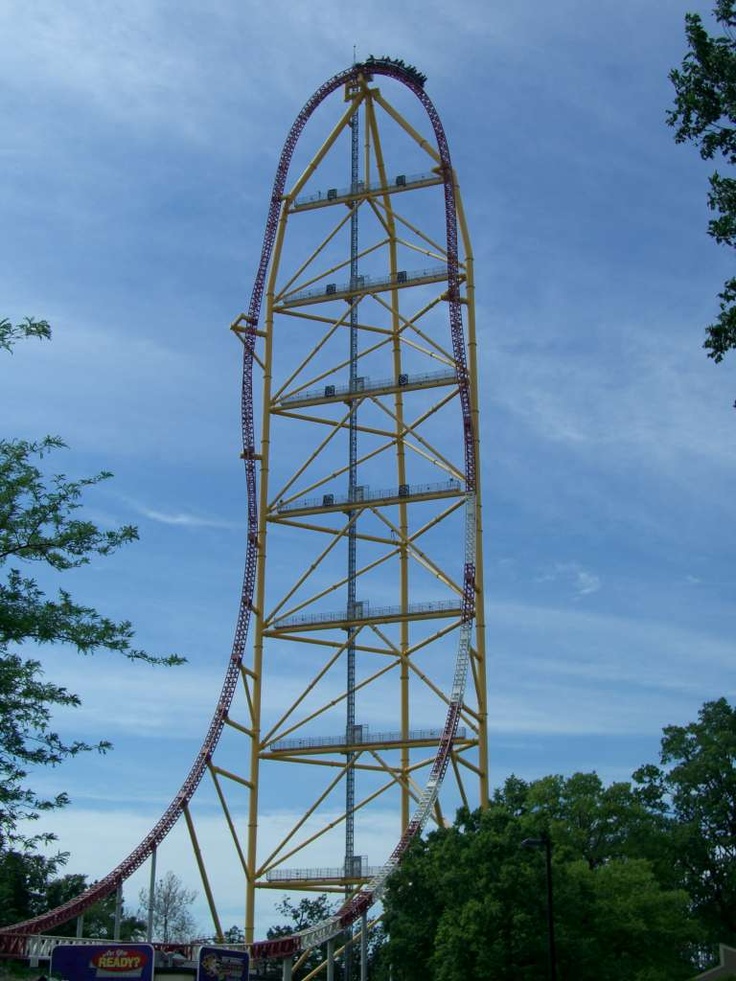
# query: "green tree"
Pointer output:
{"type": "Point", "coordinates": [470, 901]}
{"type": "Point", "coordinates": [99, 920]}
{"type": "Point", "coordinates": [307, 912]}
{"type": "Point", "coordinates": [23, 881]}
{"type": "Point", "coordinates": [705, 114]}
{"type": "Point", "coordinates": [40, 524]}
{"type": "Point", "coordinates": [10, 333]}
{"type": "Point", "coordinates": [172, 919]}
{"type": "Point", "coordinates": [300, 915]}
{"type": "Point", "coordinates": [233, 935]}
{"type": "Point", "coordinates": [29, 886]}
{"type": "Point", "coordinates": [695, 785]}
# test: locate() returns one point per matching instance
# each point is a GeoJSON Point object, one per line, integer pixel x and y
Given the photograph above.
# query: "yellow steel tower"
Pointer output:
{"type": "Point", "coordinates": [357, 674]}
{"type": "Point", "coordinates": [369, 566]}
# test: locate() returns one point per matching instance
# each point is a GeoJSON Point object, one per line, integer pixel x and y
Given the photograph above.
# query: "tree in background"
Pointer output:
{"type": "Point", "coordinates": [10, 333]}
{"type": "Point", "coordinates": [308, 912]}
{"type": "Point", "coordinates": [172, 919]}
{"type": "Point", "coordinates": [29, 887]}
{"type": "Point", "coordinates": [233, 935]}
{"type": "Point", "coordinates": [705, 115]}
{"type": "Point", "coordinates": [40, 523]}
{"type": "Point", "coordinates": [299, 916]}
{"type": "Point", "coordinates": [24, 879]}
{"type": "Point", "coordinates": [470, 901]}
{"type": "Point", "coordinates": [695, 786]}
{"type": "Point", "coordinates": [99, 920]}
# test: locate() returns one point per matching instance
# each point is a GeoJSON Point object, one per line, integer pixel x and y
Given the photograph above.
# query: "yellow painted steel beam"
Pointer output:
{"type": "Point", "coordinates": [312, 316]}
{"type": "Point", "coordinates": [328, 825]}
{"type": "Point", "coordinates": [396, 534]}
{"type": "Point", "coordinates": [363, 745]}
{"type": "Point", "coordinates": [319, 156]}
{"type": "Point", "coordinates": [338, 424]}
{"type": "Point", "coordinates": [343, 622]}
{"type": "Point", "coordinates": [459, 783]}
{"type": "Point", "coordinates": [246, 677]}
{"type": "Point", "coordinates": [236, 725]}
{"type": "Point", "coordinates": [389, 500]}
{"type": "Point", "coordinates": [277, 855]}
{"type": "Point", "coordinates": [315, 380]}
{"type": "Point", "coordinates": [322, 762]}
{"type": "Point", "coordinates": [202, 871]}
{"type": "Point", "coordinates": [235, 838]}
{"type": "Point", "coordinates": [232, 776]}
{"type": "Point", "coordinates": [308, 572]}
{"type": "Point", "coordinates": [317, 713]}
{"type": "Point", "coordinates": [366, 193]}
{"type": "Point", "coordinates": [406, 126]}
{"type": "Point", "coordinates": [283, 491]}
{"type": "Point", "coordinates": [286, 294]}
{"type": "Point", "coordinates": [435, 250]}
{"type": "Point", "coordinates": [286, 287]}
{"type": "Point", "coordinates": [322, 642]}
{"type": "Point", "coordinates": [310, 297]}
{"type": "Point", "coordinates": [277, 730]}
{"type": "Point", "coordinates": [468, 765]}
{"type": "Point", "coordinates": [284, 521]}
{"type": "Point", "coordinates": [423, 559]}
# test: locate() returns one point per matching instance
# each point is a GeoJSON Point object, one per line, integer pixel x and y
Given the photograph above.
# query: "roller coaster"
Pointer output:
{"type": "Point", "coordinates": [357, 675]}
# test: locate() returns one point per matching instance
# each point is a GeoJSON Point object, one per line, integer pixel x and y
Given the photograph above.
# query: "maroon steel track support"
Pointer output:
{"type": "Point", "coordinates": [12, 937]}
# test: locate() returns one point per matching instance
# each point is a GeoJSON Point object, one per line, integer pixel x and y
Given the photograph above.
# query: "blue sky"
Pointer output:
{"type": "Point", "coordinates": [136, 160]}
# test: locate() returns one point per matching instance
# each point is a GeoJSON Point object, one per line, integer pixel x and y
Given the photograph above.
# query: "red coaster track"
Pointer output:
{"type": "Point", "coordinates": [13, 938]}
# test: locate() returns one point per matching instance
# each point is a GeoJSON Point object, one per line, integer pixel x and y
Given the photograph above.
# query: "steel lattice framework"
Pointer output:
{"type": "Point", "coordinates": [363, 523]}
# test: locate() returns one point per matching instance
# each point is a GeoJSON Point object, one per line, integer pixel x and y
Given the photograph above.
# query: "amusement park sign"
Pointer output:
{"type": "Point", "coordinates": [220, 964]}
{"type": "Point", "coordinates": [88, 962]}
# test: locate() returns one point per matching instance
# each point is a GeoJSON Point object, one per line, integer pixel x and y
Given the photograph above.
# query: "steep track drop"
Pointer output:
{"type": "Point", "coordinates": [458, 294]}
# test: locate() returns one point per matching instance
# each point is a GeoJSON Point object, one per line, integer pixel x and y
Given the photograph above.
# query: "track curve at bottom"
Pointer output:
{"type": "Point", "coordinates": [13, 938]}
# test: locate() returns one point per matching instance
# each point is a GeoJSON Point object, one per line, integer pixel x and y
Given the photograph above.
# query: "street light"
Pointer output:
{"type": "Point", "coordinates": [546, 843]}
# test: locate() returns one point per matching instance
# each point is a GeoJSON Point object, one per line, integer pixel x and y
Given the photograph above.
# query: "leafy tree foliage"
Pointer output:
{"type": "Point", "coordinates": [40, 524]}
{"type": "Point", "coordinates": [469, 901]}
{"type": "Point", "coordinates": [299, 916]}
{"type": "Point", "coordinates": [308, 912]}
{"type": "Point", "coordinates": [172, 919]}
{"type": "Point", "coordinates": [644, 873]}
{"type": "Point", "coordinates": [705, 114]}
{"type": "Point", "coordinates": [24, 879]}
{"type": "Point", "coordinates": [99, 921]}
{"type": "Point", "coordinates": [695, 786]}
{"type": "Point", "coordinates": [233, 935]}
{"type": "Point", "coordinates": [10, 333]}
{"type": "Point", "coordinates": [29, 886]}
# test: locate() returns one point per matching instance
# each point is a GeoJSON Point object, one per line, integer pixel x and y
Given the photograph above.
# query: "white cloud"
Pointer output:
{"type": "Point", "coordinates": [135, 62]}
{"type": "Point", "coordinates": [182, 519]}
{"type": "Point", "coordinates": [582, 580]}
{"type": "Point", "coordinates": [112, 104]}
{"type": "Point", "coordinates": [99, 839]}
{"type": "Point", "coordinates": [575, 672]}
{"type": "Point", "coordinates": [129, 393]}
{"type": "Point", "coordinates": [655, 409]}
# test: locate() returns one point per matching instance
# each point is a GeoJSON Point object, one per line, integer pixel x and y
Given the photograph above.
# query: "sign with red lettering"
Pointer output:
{"type": "Point", "coordinates": [90, 962]}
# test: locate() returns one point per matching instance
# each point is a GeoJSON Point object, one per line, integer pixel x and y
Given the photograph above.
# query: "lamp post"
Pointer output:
{"type": "Point", "coordinates": [546, 843]}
